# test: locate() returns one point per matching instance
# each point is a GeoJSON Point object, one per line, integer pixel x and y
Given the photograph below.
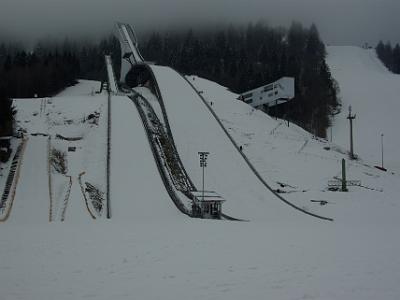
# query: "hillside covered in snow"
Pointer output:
{"type": "Point", "coordinates": [373, 92]}
{"type": "Point", "coordinates": [150, 250]}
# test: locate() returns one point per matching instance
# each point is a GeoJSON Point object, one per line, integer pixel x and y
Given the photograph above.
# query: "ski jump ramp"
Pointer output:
{"type": "Point", "coordinates": [193, 127]}
{"type": "Point", "coordinates": [130, 54]}
{"type": "Point", "coordinates": [112, 82]}
{"type": "Point", "coordinates": [196, 129]}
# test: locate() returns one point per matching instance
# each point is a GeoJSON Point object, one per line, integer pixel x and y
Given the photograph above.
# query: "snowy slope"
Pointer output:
{"type": "Point", "coordinates": [58, 118]}
{"type": "Point", "coordinates": [292, 157]}
{"type": "Point", "coordinates": [195, 129]}
{"type": "Point", "coordinates": [148, 250]}
{"type": "Point", "coordinates": [82, 88]}
{"type": "Point", "coordinates": [373, 92]}
{"type": "Point", "coordinates": [31, 203]}
{"type": "Point", "coordinates": [137, 191]}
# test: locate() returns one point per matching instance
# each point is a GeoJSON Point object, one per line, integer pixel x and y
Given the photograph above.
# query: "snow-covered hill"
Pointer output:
{"type": "Point", "coordinates": [148, 250]}
{"type": "Point", "coordinates": [373, 92]}
{"type": "Point", "coordinates": [301, 166]}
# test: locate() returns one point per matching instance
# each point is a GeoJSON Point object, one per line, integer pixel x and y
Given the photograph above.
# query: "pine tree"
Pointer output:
{"type": "Point", "coordinates": [380, 51]}
{"type": "Point", "coordinates": [388, 56]}
{"type": "Point", "coordinates": [7, 113]}
{"type": "Point", "coordinates": [396, 59]}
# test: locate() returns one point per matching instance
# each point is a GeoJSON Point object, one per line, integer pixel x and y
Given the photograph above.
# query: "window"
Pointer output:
{"type": "Point", "coordinates": [248, 95]}
{"type": "Point", "coordinates": [268, 87]}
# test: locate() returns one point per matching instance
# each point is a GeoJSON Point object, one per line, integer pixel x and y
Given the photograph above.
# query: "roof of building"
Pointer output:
{"type": "Point", "coordinates": [209, 196]}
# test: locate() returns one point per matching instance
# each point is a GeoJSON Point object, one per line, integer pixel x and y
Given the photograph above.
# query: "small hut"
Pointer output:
{"type": "Point", "coordinates": [207, 205]}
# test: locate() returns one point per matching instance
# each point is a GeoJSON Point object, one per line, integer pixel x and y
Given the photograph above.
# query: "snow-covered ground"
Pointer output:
{"type": "Point", "coordinates": [83, 88]}
{"type": "Point", "coordinates": [194, 130]}
{"type": "Point", "coordinates": [76, 126]}
{"type": "Point", "coordinates": [373, 92]}
{"type": "Point", "coordinates": [148, 250]}
{"type": "Point", "coordinates": [198, 260]}
{"type": "Point", "coordinates": [291, 156]}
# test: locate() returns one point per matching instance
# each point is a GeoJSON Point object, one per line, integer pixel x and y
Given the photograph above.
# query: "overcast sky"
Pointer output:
{"type": "Point", "coordinates": [340, 22]}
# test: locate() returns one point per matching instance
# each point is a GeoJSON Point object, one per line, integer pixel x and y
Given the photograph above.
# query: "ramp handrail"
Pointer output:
{"type": "Point", "coordinates": [165, 117]}
{"type": "Point", "coordinates": [112, 83]}
{"type": "Point", "coordinates": [160, 166]}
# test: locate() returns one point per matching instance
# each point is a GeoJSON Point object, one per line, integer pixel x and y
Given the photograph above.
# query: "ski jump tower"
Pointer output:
{"type": "Point", "coordinates": [130, 54]}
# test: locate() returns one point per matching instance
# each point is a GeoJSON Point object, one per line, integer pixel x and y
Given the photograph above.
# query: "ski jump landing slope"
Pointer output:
{"type": "Point", "coordinates": [137, 192]}
{"type": "Point", "coordinates": [374, 94]}
{"type": "Point", "coordinates": [195, 129]}
{"type": "Point", "coordinates": [31, 202]}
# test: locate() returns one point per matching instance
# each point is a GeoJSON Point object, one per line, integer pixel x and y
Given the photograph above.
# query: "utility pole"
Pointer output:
{"type": "Point", "coordinates": [382, 149]}
{"type": "Point", "coordinates": [203, 164]}
{"type": "Point", "coordinates": [351, 117]}
{"type": "Point", "coordinates": [344, 182]}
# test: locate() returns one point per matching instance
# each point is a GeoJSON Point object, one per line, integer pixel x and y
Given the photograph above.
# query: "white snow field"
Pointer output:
{"type": "Point", "coordinates": [291, 160]}
{"type": "Point", "coordinates": [373, 92]}
{"type": "Point", "coordinates": [83, 129]}
{"type": "Point", "coordinates": [148, 250]}
{"type": "Point", "coordinates": [83, 88]}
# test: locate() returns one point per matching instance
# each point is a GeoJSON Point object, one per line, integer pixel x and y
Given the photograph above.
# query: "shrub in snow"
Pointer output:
{"type": "Point", "coordinates": [96, 196]}
{"type": "Point", "coordinates": [58, 160]}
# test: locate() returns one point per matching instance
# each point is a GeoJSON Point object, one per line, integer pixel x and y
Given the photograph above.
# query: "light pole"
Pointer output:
{"type": "Point", "coordinates": [382, 148]}
{"type": "Point", "coordinates": [203, 164]}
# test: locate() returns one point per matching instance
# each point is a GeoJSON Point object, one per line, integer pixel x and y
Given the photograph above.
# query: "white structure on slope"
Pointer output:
{"type": "Point", "coordinates": [113, 86]}
{"type": "Point", "coordinates": [129, 49]}
{"type": "Point", "coordinates": [271, 94]}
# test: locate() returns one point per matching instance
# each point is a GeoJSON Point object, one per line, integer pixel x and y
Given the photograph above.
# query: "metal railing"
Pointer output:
{"type": "Point", "coordinates": [12, 180]}
{"type": "Point", "coordinates": [157, 157]}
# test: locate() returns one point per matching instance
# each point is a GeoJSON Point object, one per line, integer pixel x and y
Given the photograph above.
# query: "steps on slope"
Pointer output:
{"type": "Point", "coordinates": [163, 154]}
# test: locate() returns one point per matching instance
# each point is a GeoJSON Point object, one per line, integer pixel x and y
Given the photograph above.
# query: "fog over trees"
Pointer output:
{"type": "Point", "coordinates": [244, 58]}
{"type": "Point", "coordinates": [238, 57]}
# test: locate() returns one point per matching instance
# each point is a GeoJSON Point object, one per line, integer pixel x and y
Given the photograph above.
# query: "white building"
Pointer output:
{"type": "Point", "coordinates": [271, 94]}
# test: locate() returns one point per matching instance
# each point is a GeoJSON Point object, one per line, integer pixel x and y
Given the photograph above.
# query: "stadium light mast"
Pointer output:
{"type": "Point", "coordinates": [203, 164]}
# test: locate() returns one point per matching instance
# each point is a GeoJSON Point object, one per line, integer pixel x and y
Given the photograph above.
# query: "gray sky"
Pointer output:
{"type": "Point", "coordinates": [340, 22]}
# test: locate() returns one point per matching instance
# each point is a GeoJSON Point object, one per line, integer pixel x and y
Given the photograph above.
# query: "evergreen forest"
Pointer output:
{"type": "Point", "coordinates": [238, 57]}
{"type": "Point", "coordinates": [390, 56]}
{"type": "Point", "coordinates": [244, 58]}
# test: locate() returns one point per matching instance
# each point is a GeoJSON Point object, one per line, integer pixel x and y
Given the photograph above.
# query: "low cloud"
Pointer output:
{"type": "Point", "coordinates": [339, 21]}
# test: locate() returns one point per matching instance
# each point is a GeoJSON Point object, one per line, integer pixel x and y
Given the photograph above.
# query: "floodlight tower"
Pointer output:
{"type": "Point", "coordinates": [203, 164]}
